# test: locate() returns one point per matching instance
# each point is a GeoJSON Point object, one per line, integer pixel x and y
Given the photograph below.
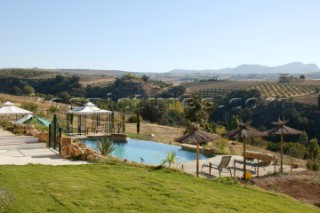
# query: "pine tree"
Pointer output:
{"type": "Point", "coordinates": [112, 121]}
{"type": "Point", "coordinates": [138, 122]}
{"type": "Point", "coordinates": [123, 121]}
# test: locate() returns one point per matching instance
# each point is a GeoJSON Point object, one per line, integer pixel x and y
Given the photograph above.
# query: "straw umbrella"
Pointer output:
{"type": "Point", "coordinates": [197, 137]}
{"type": "Point", "coordinates": [242, 133]}
{"type": "Point", "coordinates": [282, 130]}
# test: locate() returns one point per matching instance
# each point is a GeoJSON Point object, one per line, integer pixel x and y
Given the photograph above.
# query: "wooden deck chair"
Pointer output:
{"type": "Point", "coordinates": [224, 164]}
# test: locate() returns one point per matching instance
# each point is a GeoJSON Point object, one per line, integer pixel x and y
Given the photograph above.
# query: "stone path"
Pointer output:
{"type": "Point", "coordinates": [34, 156]}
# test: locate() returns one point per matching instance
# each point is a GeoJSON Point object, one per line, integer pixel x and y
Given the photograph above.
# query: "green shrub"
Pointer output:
{"type": "Point", "coordinates": [170, 158]}
{"type": "Point", "coordinates": [104, 146]}
{"type": "Point", "coordinates": [220, 130]}
{"type": "Point", "coordinates": [313, 165]}
{"type": "Point", "coordinates": [259, 142]}
{"type": "Point", "coordinates": [221, 145]}
{"type": "Point", "coordinates": [29, 106]}
{"type": "Point", "coordinates": [275, 147]}
{"type": "Point", "coordinates": [5, 124]}
{"type": "Point", "coordinates": [296, 153]}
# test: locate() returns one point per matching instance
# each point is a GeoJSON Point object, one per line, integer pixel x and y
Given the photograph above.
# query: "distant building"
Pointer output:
{"type": "Point", "coordinates": [285, 78]}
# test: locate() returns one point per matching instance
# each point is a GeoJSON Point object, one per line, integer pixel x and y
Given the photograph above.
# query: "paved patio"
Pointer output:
{"type": "Point", "coordinates": [190, 167]}
{"type": "Point", "coordinates": [34, 156]}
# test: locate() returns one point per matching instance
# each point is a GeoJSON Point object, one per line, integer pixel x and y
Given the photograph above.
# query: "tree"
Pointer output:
{"type": "Point", "coordinates": [199, 110]}
{"type": "Point", "coordinates": [16, 90]}
{"type": "Point", "coordinates": [64, 96]}
{"type": "Point", "coordinates": [153, 110]}
{"type": "Point", "coordinates": [112, 121]}
{"type": "Point", "coordinates": [28, 90]}
{"type": "Point", "coordinates": [123, 121]}
{"type": "Point", "coordinates": [302, 77]}
{"type": "Point", "coordinates": [145, 78]}
{"type": "Point", "coordinates": [314, 149]}
{"type": "Point", "coordinates": [174, 92]}
{"type": "Point", "coordinates": [138, 122]}
{"type": "Point", "coordinates": [319, 101]}
{"type": "Point", "coordinates": [234, 123]}
{"type": "Point", "coordinates": [303, 138]}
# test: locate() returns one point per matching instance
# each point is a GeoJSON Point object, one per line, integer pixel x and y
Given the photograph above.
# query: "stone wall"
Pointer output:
{"type": "Point", "coordinates": [77, 150]}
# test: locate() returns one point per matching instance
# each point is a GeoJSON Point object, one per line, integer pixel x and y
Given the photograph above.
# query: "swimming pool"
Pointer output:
{"type": "Point", "coordinates": [151, 152]}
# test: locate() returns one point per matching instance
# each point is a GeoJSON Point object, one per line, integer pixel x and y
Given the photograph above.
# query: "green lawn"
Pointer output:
{"type": "Point", "coordinates": [125, 188]}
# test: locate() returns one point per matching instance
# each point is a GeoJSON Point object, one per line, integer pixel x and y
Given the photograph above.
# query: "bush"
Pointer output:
{"type": "Point", "coordinates": [259, 142]}
{"type": "Point", "coordinates": [275, 147]}
{"type": "Point", "coordinates": [313, 165]}
{"type": "Point", "coordinates": [221, 145]}
{"type": "Point", "coordinates": [29, 106]}
{"type": "Point", "coordinates": [5, 124]}
{"type": "Point", "coordinates": [104, 147]}
{"type": "Point", "coordinates": [296, 153]}
{"type": "Point", "coordinates": [220, 130]}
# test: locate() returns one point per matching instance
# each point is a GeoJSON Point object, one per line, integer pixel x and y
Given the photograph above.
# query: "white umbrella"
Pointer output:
{"type": "Point", "coordinates": [9, 108]}
{"type": "Point", "coordinates": [88, 109]}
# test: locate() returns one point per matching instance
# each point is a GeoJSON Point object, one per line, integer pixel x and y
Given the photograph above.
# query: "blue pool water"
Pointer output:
{"type": "Point", "coordinates": [150, 152]}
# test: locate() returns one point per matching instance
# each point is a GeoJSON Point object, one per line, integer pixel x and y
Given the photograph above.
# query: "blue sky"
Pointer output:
{"type": "Point", "coordinates": [158, 35]}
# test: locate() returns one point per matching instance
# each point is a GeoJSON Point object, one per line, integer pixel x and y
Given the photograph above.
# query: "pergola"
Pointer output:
{"type": "Point", "coordinates": [9, 108]}
{"type": "Point", "coordinates": [88, 110]}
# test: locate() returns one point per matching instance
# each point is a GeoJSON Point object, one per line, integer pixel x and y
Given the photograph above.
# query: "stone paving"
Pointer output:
{"type": "Point", "coordinates": [190, 167]}
{"type": "Point", "coordinates": [34, 156]}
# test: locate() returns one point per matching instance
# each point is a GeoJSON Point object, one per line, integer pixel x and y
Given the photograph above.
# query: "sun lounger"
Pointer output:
{"type": "Point", "coordinates": [224, 164]}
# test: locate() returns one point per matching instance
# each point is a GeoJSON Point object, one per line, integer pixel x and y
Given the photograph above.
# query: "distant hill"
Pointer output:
{"type": "Point", "coordinates": [114, 73]}
{"type": "Point", "coordinates": [37, 72]}
{"type": "Point", "coordinates": [291, 68]}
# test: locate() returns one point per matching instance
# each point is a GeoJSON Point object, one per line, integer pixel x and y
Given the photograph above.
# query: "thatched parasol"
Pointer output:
{"type": "Point", "coordinates": [282, 130]}
{"type": "Point", "coordinates": [242, 133]}
{"type": "Point", "coordinates": [197, 137]}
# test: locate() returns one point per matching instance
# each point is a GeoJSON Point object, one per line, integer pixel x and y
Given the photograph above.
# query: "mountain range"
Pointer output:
{"type": "Point", "coordinates": [291, 68]}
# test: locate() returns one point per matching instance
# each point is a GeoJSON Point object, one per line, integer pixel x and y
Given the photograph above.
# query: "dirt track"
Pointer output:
{"type": "Point", "coordinates": [304, 186]}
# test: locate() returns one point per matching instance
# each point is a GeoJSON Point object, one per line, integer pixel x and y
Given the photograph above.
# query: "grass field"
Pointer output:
{"type": "Point", "coordinates": [118, 187]}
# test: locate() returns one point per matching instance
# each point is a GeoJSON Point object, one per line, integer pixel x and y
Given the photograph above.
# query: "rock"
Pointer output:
{"type": "Point", "coordinates": [34, 133]}
{"type": "Point", "coordinates": [43, 137]}
{"type": "Point", "coordinates": [77, 152]}
{"type": "Point", "coordinates": [83, 156]}
{"type": "Point", "coordinates": [83, 145]}
{"type": "Point", "coordinates": [65, 141]}
{"type": "Point", "coordinates": [90, 157]}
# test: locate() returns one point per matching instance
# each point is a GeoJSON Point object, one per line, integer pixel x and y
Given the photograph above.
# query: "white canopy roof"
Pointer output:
{"type": "Point", "coordinates": [88, 109]}
{"type": "Point", "coordinates": [9, 108]}
{"type": "Point", "coordinates": [23, 119]}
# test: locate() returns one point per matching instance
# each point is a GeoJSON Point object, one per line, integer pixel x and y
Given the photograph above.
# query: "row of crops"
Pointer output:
{"type": "Point", "coordinates": [267, 90]}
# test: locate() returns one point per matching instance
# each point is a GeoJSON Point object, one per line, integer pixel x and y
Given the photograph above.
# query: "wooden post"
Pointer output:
{"type": "Point", "coordinates": [197, 159]}
{"type": "Point", "coordinates": [244, 159]}
{"type": "Point", "coordinates": [281, 154]}
{"type": "Point", "coordinates": [258, 168]}
{"type": "Point", "coordinates": [210, 168]}
{"type": "Point", "coordinates": [234, 168]}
